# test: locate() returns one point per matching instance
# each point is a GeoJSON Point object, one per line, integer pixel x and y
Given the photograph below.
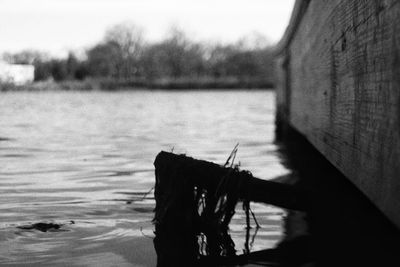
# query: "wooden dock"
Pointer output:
{"type": "Point", "coordinates": [339, 86]}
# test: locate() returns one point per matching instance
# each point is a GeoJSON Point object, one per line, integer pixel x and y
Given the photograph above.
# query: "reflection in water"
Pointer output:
{"type": "Point", "coordinates": [338, 227]}
{"type": "Point", "coordinates": [341, 226]}
{"type": "Point", "coordinates": [88, 158]}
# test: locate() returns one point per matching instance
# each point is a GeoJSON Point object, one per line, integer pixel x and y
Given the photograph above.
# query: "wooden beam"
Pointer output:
{"type": "Point", "coordinates": [344, 90]}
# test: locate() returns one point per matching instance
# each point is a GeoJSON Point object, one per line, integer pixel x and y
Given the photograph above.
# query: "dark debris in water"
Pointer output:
{"type": "Point", "coordinates": [45, 227]}
{"type": "Point", "coordinates": [5, 139]}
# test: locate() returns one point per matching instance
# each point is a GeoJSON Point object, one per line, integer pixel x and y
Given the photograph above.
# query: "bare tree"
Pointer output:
{"type": "Point", "coordinates": [128, 37]}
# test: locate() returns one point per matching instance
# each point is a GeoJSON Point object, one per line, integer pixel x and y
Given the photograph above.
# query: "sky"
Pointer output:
{"type": "Point", "coordinates": [57, 26]}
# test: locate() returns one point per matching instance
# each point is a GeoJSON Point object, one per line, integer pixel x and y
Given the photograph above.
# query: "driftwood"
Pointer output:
{"type": "Point", "coordinates": [208, 175]}
{"type": "Point", "coordinates": [195, 201]}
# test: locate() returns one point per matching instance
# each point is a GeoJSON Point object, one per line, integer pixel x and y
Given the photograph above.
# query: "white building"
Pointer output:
{"type": "Point", "coordinates": [16, 74]}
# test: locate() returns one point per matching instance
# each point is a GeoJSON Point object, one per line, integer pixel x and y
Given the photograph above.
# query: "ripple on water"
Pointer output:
{"type": "Point", "coordinates": [88, 157]}
{"type": "Point", "coordinates": [16, 156]}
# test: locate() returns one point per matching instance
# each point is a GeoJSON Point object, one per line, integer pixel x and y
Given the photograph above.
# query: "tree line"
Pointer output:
{"type": "Point", "coordinates": [124, 55]}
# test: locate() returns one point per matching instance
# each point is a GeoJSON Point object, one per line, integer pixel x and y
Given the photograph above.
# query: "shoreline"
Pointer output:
{"type": "Point", "coordinates": [127, 85]}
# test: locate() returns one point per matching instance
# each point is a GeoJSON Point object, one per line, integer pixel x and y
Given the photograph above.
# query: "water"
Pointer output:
{"type": "Point", "coordinates": [85, 161]}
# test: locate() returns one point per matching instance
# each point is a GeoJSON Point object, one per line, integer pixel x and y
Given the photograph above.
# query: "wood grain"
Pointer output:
{"type": "Point", "coordinates": [344, 89]}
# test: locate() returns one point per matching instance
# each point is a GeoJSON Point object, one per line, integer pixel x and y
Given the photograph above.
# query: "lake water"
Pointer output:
{"type": "Point", "coordinates": [84, 160]}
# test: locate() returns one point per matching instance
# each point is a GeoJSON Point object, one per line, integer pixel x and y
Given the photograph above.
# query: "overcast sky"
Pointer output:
{"type": "Point", "coordinates": [57, 26]}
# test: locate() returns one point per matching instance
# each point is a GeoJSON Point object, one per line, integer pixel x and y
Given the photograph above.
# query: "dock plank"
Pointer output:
{"type": "Point", "coordinates": [342, 88]}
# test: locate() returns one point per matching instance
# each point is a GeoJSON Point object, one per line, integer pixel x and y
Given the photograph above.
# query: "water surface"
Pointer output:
{"type": "Point", "coordinates": [84, 160]}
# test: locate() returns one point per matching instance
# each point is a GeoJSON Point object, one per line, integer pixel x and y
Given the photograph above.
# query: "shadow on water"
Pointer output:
{"type": "Point", "coordinates": [340, 226]}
